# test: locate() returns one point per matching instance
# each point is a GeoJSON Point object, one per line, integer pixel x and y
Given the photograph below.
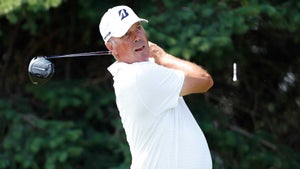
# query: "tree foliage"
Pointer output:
{"type": "Point", "coordinates": [72, 122]}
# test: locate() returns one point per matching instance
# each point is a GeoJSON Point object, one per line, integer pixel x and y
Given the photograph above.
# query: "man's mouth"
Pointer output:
{"type": "Point", "coordinates": [139, 49]}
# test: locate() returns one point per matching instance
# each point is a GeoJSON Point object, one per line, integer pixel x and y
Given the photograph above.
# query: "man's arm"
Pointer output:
{"type": "Point", "coordinates": [197, 80]}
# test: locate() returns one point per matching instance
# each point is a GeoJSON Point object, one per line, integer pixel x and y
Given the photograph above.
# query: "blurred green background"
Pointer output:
{"type": "Point", "coordinates": [72, 121]}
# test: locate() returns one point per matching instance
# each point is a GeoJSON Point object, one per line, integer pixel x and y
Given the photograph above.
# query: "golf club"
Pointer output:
{"type": "Point", "coordinates": [40, 69]}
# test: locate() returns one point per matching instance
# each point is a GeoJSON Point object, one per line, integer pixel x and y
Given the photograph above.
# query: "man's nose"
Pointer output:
{"type": "Point", "coordinates": [137, 38]}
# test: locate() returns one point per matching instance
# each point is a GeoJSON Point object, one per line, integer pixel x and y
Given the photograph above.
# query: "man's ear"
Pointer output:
{"type": "Point", "coordinates": [109, 45]}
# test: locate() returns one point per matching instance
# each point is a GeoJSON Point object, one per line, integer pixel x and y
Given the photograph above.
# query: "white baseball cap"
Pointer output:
{"type": "Point", "coordinates": [117, 21]}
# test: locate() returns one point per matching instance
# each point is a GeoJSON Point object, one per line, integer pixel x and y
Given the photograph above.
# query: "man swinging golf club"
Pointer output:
{"type": "Point", "coordinates": [149, 87]}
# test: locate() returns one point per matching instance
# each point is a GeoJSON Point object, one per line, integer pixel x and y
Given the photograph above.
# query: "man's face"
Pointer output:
{"type": "Point", "coordinates": [132, 47]}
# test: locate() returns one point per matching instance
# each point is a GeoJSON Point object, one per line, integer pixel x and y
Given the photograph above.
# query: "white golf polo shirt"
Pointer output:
{"type": "Point", "coordinates": [160, 129]}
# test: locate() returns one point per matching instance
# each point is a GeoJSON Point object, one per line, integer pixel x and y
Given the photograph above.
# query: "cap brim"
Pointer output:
{"type": "Point", "coordinates": [121, 32]}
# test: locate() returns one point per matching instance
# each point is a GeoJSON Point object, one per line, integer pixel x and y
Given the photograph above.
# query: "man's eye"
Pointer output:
{"type": "Point", "coordinates": [125, 36]}
{"type": "Point", "coordinates": [139, 27]}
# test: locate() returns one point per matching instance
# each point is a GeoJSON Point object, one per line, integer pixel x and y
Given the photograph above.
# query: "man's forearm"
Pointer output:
{"type": "Point", "coordinates": [187, 67]}
{"type": "Point", "coordinates": [197, 80]}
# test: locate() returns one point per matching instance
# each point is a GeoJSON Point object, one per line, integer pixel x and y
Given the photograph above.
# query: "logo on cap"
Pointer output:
{"type": "Point", "coordinates": [123, 14]}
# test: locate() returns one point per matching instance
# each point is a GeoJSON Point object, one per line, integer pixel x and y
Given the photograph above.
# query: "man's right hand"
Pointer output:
{"type": "Point", "coordinates": [157, 53]}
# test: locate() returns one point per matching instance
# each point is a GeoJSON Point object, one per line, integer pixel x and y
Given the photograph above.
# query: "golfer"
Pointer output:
{"type": "Point", "coordinates": [149, 87]}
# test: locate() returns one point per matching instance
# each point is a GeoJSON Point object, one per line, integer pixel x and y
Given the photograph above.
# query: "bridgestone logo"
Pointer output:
{"type": "Point", "coordinates": [123, 14]}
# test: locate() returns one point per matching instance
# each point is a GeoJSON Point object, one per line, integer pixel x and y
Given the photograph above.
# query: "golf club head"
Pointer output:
{"type": "Point", "coordinates": [40, 70]}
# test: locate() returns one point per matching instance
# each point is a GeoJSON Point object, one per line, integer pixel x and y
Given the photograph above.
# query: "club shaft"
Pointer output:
{"type": "Point", "coordinates": [98, 53]}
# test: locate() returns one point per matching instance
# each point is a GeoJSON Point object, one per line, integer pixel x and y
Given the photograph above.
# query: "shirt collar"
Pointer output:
{"type": "Point", "coordinates": [116, 66]}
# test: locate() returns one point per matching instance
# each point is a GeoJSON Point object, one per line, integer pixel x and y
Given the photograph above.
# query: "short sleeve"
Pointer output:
{"type": "Point", "coordinates": [159, 87]}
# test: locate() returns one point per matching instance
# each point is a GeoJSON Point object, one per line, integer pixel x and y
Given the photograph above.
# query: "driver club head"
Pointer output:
{"type": "Point", "coordinates": [40, 70]}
